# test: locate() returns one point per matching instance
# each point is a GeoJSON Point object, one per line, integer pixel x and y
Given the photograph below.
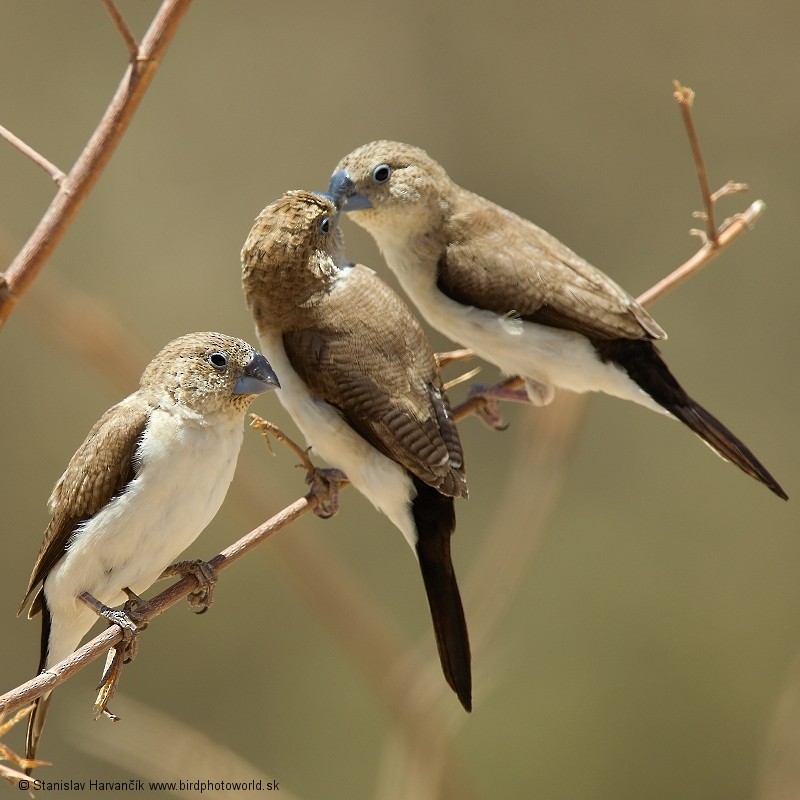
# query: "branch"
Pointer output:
{"type": "Point", "coordinates": [75, 187]}
{"type": "Point", "coordinates": [685, 99]}
{"type": "Point", "coordinates": [706, 254]}
{"type": "Point", "coordinates": [51, 169]}
{"type": "Point", "coordinates": [730, 231]}
{"type": "Point", "coordinates": [714, 243]}
{"type": "Point", "coordinates": [122, 27]}
{"type": "Point", "coordinates": [97, 647]}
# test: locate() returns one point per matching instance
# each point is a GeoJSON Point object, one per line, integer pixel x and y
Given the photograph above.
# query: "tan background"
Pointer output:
{"type": "Point", "coordinates": [655, 633]}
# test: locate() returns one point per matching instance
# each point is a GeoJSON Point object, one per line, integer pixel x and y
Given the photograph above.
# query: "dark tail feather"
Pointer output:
{"type": "Point", "coordinates": [435, 520]}
{"type": "Point", "coordinates": [41, 704]}
{"type": "Point", "coordinates": [642, 362]}
{"type": "Point", "coordinates": [35, 725]}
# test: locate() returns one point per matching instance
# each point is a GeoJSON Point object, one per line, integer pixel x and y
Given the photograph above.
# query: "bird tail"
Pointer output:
{"type": "Point", "coordinates": [644, 365]}
{"type": "Point", "coordinates": [434, 517]}
{"type": "Point", "coordinates": [42, 703]}
{"type": "Point", "coordinates": [35, 726]}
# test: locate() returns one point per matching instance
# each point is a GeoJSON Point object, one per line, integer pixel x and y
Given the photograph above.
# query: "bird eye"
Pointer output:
{"type": "Point", "coordinates": [325, 224]}
{"type": "Point", "coordinates": [381, 173]}
{"type": "Point", "coordinates": [219, 361]}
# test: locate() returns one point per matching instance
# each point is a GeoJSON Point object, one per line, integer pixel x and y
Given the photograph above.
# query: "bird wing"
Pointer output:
{"type": "Point", "coordinates": [100, 469]}
{"type": "Point", "coordinates": [500, 262]}
{"type": "Point", "coordinates": [381, 375]}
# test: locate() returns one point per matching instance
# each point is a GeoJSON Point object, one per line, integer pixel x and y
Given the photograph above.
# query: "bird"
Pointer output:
{"type": "Point", "coordinates": [148, 478]}
{"type": "Point", "coordinates": [513, 293]}
{"type": "Point", "coordinates": [361, 383]}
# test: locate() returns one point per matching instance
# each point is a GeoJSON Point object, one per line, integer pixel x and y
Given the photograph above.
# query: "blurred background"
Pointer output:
{"type": "Point", "coordinates": [633, 599]}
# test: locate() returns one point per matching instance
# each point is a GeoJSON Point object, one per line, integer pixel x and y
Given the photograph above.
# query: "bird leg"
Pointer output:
{"type": "Point", "coordinates": [108, 683]}
{"type": "Point", "coordinates": [202, 597]}
{"type": "Point", "coordinates": [488, 399]}
{"type": "Point", "coordinates": [534, 393]}
{"type": "Point", "coordinates": [324, 483]}
{"type": "Point", "coordinates": [132, 619]}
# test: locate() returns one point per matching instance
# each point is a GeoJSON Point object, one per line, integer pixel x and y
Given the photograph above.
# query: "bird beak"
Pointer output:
{"type": "Point", "coordinates": [343, 191]}
{"type": "Point", "coordinates": [258, 377]}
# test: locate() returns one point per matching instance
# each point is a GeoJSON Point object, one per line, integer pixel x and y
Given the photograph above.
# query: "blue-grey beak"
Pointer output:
{"type": "Point", "coordinates": [258, 377]}
{"type": "Point", "coordinates": [343, 191]}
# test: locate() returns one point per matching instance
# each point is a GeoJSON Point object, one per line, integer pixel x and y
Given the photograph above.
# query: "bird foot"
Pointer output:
{"type": "Point", "coordinates": [136, 610]}
{"type": "Point", "coordinates": [108, 683]}
{"type": "Point", "coordinates": [490, 397]}
{"type": "Point", "coordinates": [488, 412]}
{"type": "Point", "coordinates": [132, 619]}
{"type": "Point", "coordinates": [324, 485]}
{"type": "Point", "coordinates": [202, 598]}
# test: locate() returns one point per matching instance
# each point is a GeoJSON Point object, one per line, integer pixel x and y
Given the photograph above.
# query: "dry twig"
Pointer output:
{"type": "Point", "coordinates": [51, 169]}
{"type": "Point", "coordinates": [122, 27]}
{"type": "Point", "coordinates": [75, 187]}
{"type": "Point", "coordinates": [98, 646]}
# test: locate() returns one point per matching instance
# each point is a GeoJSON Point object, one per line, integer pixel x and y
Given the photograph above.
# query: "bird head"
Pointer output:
{"type": "Point", "coordinates": [388, 185]}
{"type": "Point", "coordinates": [208, 372]}
{"type": "Point", "coordinates": [294, 250]}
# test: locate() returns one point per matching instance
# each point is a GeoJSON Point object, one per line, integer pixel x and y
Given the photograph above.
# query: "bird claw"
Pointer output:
{"type": "Point", "coordinates": [489, 398]}
{"type": "Point", "coordinates": [202, 598]}
{"type": "Point", "coordinates": [488, 412]}
{"type": "Point", "coordinates": [136, 610]}
{"type": "Point", "coordinates": [324, 485]}
{"type": "Point", "coordinates": [131, 619]}
{"type": "Point", "coordinates": [108, 683]}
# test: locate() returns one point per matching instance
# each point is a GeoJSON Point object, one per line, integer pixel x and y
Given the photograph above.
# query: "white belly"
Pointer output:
{"type": "Point", "coordinates": [544, 354]}
{"type": "Point", "coordinates": [185, 474]}
{"type": "Point", "coordinates": [382, 481]}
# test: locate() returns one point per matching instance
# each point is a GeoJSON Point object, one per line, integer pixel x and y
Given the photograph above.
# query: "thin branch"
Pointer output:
{"type": "Point", "coordinates": [443, 359]}
{"type": "Point", "coordinates": [685, 99]}
{"type": "Point", "coordinates": [122, 27]}
{"type": "Point", "coordinates": [365, 631]}
{"type": "Point", "coordinates": [87, 169]}
{"type": "Point", "coordinates": [729, 231]}
{"type": "Point", "coordinates": [51, 169]}
{"type": "Point", "coordinates": [467, 376]}
{"type": "Point", "coordinates": [10, 774]}
{"type": "Point", "coordinates": [97, 647]}
{"type": "Point", "coordinates": [415, 762]}
{"type": "Point", "coordinates": [706, 254]}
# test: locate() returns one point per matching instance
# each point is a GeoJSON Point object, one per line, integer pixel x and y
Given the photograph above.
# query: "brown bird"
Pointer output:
{"type": "Point", "coordinates": [360, 381]}
{"type": "Point", "coordinates": [518, 297]}
{"type": "Point", "coordinates": [149, 477]}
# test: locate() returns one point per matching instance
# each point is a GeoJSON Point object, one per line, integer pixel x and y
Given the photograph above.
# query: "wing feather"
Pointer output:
{"type": "Point", "coordinates": [380, 373]}
{"type": "Point", "coordinates": [500, 262]}
{"type": "Point", "coordinates": [100, 469]}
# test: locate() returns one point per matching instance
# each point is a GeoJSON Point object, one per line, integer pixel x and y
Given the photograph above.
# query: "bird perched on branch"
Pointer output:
{"type": "Point", "coordinates": [150, 475]}
{"type": "Point", "coordinates": [361, 382]}
{"type": "Point", "coordinates": [514, 294]}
